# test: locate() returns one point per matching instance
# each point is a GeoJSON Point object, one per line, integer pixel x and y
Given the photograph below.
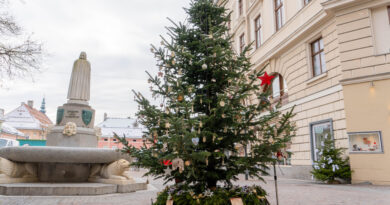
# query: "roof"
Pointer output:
{"type": "Point", "coordinates": [127, 127]}
{"type": "Point", "coordinates": [6, 128]}
{"type": "Point", "coordinates": [42, 117]}
{"type": "Point", "coordinates": [27, 118]}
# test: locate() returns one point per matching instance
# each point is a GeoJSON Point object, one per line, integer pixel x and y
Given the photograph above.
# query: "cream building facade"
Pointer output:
{"type": "Point", "coordinates": [331, 60]}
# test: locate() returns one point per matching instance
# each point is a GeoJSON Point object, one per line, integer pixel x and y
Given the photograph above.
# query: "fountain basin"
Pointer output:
{"type": "Point", "coordinates": [62, 155]}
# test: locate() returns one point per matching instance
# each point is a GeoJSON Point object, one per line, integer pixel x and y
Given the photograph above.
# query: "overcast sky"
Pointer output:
{"type": "Point", "coordinates": [116, 36]}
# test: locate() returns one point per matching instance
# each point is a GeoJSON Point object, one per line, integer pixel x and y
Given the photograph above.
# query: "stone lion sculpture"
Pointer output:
{"type": "Point", "coordinates": [70, 129]}
{"type": "Point", "coordinates": [114, 170]}
{"type": "Point", "coordinates": [11, 169]}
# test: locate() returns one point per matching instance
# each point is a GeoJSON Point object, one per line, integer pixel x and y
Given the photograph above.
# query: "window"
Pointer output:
{"type": "Point", "coordinates": [240, 7]}
{"type": "Point", "coordinates": [388, 12]}
{"type": "Point", "coordinates": [318, 57]}
{"type": "Point", "coordinates": [319, 132]}
{"type": "Point", "coordinates": [105, 139]}
{"type": "Point", "coordinates": [306, 1]}
{"type": "Point", "coordinates": [365, 142]}
{"type": "Point", "coordinates": [279, 14]}
{"type": "Point", "coordinates": [278, 86]}
{"type": "Point", "coordinates": [381, 29]}
{"type": "Point", "coordinates": [258, 31]}
{"type": "Point", "coordinates": [134, 140]}
{"type": "Point", "coordinates": [242, 43]}
{"type": "Point", "coordinates": [114, 140]}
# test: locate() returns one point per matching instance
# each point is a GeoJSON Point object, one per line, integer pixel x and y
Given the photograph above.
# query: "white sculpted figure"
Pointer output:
{"type": "Point", "coordinates": [79, 85]}
{"type": "Point", "coordinates": [11, 169]}
{"type": "Point", "coordinates": [115, 170]}
{"type": "Point", "coordinates": [70, 129]}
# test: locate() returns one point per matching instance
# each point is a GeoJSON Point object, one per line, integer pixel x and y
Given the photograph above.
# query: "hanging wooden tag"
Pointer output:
{"type": "Point", "coordinates": [236, 201]}
{"type": "Point", "coordinates": [169, 202]}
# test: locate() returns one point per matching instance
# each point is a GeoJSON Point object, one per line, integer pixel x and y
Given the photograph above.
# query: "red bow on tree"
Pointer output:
{"type": "Point", "coordinates": [265, 79]}
{"type": "Point", "coordinates": [167, 162]}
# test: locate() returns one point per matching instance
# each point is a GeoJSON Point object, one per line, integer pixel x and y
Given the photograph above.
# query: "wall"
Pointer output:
{"type": "Point", "coordinates": [365, 61]}
{"type": "Point", "coordinates": [368, 109]}
{"type": "Point", "coordinates": [287, 51]}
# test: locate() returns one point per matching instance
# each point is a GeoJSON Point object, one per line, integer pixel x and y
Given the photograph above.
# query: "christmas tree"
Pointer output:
{"type": "Point", "coordinates": [205, 88]}
{"type": "Point", "coordinates": [331, 164]}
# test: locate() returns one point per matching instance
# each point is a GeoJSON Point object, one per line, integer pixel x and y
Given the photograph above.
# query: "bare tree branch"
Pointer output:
{"type": "Point", "coordinates": [16, 59]}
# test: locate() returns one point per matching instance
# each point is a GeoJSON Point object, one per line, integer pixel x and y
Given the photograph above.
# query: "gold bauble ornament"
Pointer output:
{"type": "Point", "coordinates": [222, 104]}
{"type": "Point", "coordinates": [187, 163]}
{"type": "Point", "coordinates": [180, 98]}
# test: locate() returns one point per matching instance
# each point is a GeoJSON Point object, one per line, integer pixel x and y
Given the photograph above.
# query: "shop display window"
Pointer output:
{"type": "Point", "coordinates": [365, 142]}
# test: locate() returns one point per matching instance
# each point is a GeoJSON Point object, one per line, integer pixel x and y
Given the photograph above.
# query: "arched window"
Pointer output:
{"type": "Point", "coordinates": [278, 86]}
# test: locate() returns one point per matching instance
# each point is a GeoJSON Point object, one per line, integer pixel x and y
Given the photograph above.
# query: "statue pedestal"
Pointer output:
{"type": "Point", "coordinates": [81, 114]}
{"type": "Point", "coordinates": [85, 137]}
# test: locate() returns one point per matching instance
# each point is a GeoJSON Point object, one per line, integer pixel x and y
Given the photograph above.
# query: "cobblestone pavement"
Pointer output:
{"type": "Point", "coordinates": [291, 192]}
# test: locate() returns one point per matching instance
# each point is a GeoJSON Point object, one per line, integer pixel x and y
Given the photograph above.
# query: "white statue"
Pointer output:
{"type": "Point", "coordinates": [114, 170]}
{"type": "Point", "coordinates": [79, 85]}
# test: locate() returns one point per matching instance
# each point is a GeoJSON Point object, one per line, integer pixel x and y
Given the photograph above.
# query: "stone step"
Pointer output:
{"type": "Point", "coordinates": [57, 189]}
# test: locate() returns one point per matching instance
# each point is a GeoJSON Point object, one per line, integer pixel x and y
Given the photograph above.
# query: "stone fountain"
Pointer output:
{"type": "Point", "coordinates": [71, 159]}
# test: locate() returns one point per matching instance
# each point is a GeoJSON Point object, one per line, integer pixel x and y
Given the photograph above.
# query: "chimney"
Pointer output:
{"type": "Point", "coordinates": [30, 103]}
{"type": "Point", "coordinates": [105, 116]}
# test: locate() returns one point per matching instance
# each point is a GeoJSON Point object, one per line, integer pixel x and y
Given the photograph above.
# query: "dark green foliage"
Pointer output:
{"type": "Point", "coordinates": [331, 164]}
{"type": "Point", "coordinates": [203, 84]}
{"type": "Point", "coordinates": [221, 196]}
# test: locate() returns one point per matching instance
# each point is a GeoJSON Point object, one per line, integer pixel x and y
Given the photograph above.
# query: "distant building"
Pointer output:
{"type": "Point", "coordinates": [7, 131]}
{"type": "Point", "coordinates": [28, 120]}
{"type": "Point", "coordinates": [123, 127]}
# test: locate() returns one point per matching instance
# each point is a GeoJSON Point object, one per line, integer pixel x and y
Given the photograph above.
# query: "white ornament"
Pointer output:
{"type": "Point", "coordinates": [70, 129]}
{"type": "Point", "coordinates": [178, 163]}
{"type": "Point", "coordinates": [204, 66]}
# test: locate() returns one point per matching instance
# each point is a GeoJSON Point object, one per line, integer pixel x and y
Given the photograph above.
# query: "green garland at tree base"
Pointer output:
{"type": "Point", "coordinates": [250, 195]}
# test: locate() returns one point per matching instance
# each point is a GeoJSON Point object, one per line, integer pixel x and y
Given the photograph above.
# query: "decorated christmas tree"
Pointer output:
{"type": "Point", "coordinates": [331, 165]}
{"type": "Point", "coordinates": [212, 103]}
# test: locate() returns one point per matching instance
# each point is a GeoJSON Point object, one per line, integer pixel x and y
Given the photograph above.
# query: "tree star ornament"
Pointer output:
{"type": "Point", "coordinates": [265, 79]}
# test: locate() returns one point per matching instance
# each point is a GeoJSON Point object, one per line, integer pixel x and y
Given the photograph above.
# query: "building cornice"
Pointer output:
{"type": "Point", "coordinates": [364, 79]}
{"type": "Point", "coordinates": [332, 5]}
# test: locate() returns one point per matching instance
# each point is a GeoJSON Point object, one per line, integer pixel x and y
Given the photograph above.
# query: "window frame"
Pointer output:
{"type": "Point", "coordinates": [306, 2]}
{"type": "Point", "coordinates": [242, 42]}
{"type": "Point", "coordinates": [379, 133]}
{"type": "Point", "coordinates": [281, 85]}
{"type": "Point", "coordinates": [314, 54]}
{"type": "Point", "coordinates": [388, 12]}
{"type": "Point", "coordinates": [257, 22]}
{"type": "Point", "coordinates": [240, 7]}
{"type": "Point", "coordinates": [276, 10]}
{"type": "Point", "coordinates": [312, 143]}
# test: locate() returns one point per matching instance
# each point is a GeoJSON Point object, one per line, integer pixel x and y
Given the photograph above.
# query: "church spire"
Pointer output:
{"type": "Point", "coordinates": [43, 106]}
